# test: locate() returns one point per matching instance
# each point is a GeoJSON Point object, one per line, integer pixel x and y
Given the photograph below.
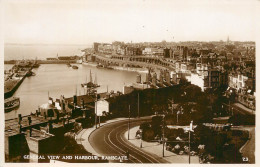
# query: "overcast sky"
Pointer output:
{"type": "Point", "coordinates": [86, 21]}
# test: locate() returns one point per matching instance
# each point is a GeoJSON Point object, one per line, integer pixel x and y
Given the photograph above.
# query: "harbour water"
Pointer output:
{"type": "Point", "coordinates": [58, 79]}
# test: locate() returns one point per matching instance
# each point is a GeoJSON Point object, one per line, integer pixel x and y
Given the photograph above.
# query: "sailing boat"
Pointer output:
{"type": "Point", "coordinates": [90, 84]}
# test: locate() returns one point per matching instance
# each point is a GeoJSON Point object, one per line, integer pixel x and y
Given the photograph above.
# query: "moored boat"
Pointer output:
{"type": "Point", "coordinates": [75, 67]}
{"type": "Point", "coordinates": [104, 66]}
{"type": "Point", "coordinates": [12, 103]}
{"type": "Point", "coordinates": [99, 66]}
{"type": "Point", "coordinates": [90, 84]}
{"type": "Point", "coordinates": [30, 73]}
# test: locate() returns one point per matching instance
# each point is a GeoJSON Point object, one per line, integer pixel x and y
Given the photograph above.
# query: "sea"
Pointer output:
{"type": "Point", "coordinates": [54, 80]}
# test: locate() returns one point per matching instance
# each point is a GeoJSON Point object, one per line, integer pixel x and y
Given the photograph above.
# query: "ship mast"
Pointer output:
{"type": "Point", "coordinates": [90, 77]}
{"type": "Point", "coordinates": [95, 82]}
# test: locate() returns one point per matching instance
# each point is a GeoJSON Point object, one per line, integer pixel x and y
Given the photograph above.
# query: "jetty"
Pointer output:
{"type": "Point", "coordinates": [16, 75]}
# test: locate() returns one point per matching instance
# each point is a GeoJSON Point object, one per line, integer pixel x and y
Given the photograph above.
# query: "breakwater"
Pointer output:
{"type": "Point", "coordinates": [11, 86]}
{"type": "Point", "coordinates": [16, 75]}
{"type": "Point", "coordinates": [45, 61]}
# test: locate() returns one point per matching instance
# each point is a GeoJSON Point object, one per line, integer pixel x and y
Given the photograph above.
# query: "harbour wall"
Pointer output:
{"type": "Point", "coordinates": [15, 87]}
{"type": "Point", "coordinates": [45, 61]}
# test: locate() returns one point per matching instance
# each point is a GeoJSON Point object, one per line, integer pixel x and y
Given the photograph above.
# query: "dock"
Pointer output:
{"type": "Point", "coordinates": [17, 75]}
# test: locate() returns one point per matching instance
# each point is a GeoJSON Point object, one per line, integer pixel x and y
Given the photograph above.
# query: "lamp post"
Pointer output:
{"type": "Point", "coordinates": [190, 130]}
{"type": "Point", "coordinates": [141, 137]}
{"type": "Point", "coordinates": [128, 123]}
{"type": "Point", "coordinates": [99, 121]}
{"type": "Point", "coordinates": [163, 136]}
{"type": "Point", "coordinates": [96, 112]}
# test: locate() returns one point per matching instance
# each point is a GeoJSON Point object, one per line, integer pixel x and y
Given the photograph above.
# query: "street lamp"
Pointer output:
{"type": "Point", "coordinates": [190, 130]}
{"type": "Point", "coordinates": [163, 135]}
{"type": "Point", "coordinates": [141, 137]}
{"type": "Point", "coordinates": [96, 112]}
{"type": "Point", "coordinates": [128, 123]}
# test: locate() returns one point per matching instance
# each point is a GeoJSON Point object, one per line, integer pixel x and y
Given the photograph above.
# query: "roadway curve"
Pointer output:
{"type": "Point", "coordinates": [109, 140]}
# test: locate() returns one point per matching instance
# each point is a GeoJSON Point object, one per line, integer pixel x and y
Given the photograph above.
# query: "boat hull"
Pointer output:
{"type": "Point", "coordinates": [9, 109]}
{"type": "Point", "coordinates": [12, 104]}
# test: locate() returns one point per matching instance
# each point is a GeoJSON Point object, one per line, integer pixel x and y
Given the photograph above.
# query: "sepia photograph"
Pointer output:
{"type": "Point", "coordinates": [129, 81]}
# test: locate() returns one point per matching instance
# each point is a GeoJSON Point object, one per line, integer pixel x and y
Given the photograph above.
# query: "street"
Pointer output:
{"type": "Point", "coordinates": [109, 140]}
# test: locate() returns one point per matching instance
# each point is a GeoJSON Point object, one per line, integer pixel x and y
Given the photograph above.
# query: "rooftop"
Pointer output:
{"type": "Point", "coordinates": [12, 125]}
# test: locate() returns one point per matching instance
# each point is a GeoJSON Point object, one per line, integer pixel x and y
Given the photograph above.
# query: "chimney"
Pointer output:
{"type": "Point", "coordinates": [45, 115]}
{"type": "Point", "coordinates": [30, 121]}
{"type": "Point", "coordinates": [62, 105]}
{"type": "Point", "coordinates": [20, 118]}
{"type": "Point", "coordinates": [49, 126]}
{"type": "Point", "coordinates": [75, 100]}
{"type": "Point", "coordinates": [20, 128]}
{"type": "Point", "coordinates": [58, 116]}
{"type": "Point", "coordinates": [82, 103]}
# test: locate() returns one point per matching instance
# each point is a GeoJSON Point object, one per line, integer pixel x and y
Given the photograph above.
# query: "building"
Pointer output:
{"type": "Point", "coordinates": [105, 48]}
{"type": "Point", "coordinates": [212, 80]}
{"type": "Point", "coordinates": [153, 51]}
{"type": "Point", "coordinates": [133, 51]}
{"type": "Point", "coordinates": [237, 81]}
{"type": "Point", "coordinates": [102, 107]}
{"type": "Point", "coordinates": [96, 47]}
{"type": "Point", "coordinates": [206, 77]}
{"type": "Point", "coordinates": [166, 53]}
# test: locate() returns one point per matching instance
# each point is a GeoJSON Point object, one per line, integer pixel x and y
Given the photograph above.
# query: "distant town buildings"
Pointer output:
{"type": "Point", "coordinates": [209, 65]}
